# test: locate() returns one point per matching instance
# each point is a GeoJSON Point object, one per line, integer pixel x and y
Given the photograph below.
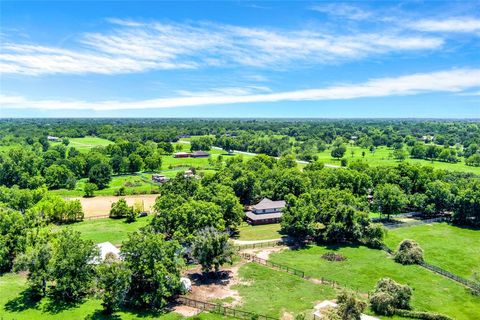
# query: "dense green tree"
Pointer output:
{"type": "Point", "coordinates": [211, 249]}
{"type": "Point", "coordinates": [409, 252]}
{"type": "Point", "coordinates": [13, 237]}
{"type": "Point", "coordinates": [89, 189]}
{"type": "Point", "coordinates": [473, 160]}
{"type": "Point", "coordinates": [438, 197]}
{"type": "Point", "coordinates": [349, 306]}
{"type": "Point", "coordinates": [201, 143]}
{"type": "Point", "coordinates": [467, 205]}
{"type": "Point", "coordinates": [338, 151]}
{"type": "Point", "coordinates": [71, 265]}
{"type": "Point", "coordinates": [57, 177]}
{"type": "Point", "coordinates": [153, 162]}
{"type": "Point", "coordinates": [155, 267]}
{"type": "Point", "coordinates": [390, 199]}
{"type": "Point", "coordinates": [113, 280]}
{"type": "Point", "coordinates": [101, 175]}
{"type": "Point", "coordinates": [120, 209]}
{"type": "Point", "coordinates": [36, 261]}
{"type": "Point", "coordinates": [135, 163]}
{"type": "Point", "coordinates": [390, 295]}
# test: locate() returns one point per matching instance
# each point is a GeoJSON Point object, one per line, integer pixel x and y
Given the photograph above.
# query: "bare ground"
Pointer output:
{"type": "Point", "coordinates": [100, 206]}
{"type": "Point", "coordinates": [216, 288]}
{"type": "Point", "coordinates": [264, 253]}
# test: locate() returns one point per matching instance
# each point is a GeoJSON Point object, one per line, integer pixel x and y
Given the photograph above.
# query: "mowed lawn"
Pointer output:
{"type": "Point", "coordinates": [261, 232]}
{"type": "Point", "coordinates": [452, 248]}
{"type": "Point", "coordinates": [15, 306]}
{"type": "Point", "coordinates": [106, 229]}
{"type": "Point", "coordinates": [364, 267]}
{"type": "Point", "coordinates": [270, 292]}
{"type": "Point", "coordinates": [86, 143]}
{"type": "Point", "coordinates": [383, 157]}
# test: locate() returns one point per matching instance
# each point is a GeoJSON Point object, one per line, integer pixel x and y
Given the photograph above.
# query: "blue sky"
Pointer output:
{"type": "Point", "coordinates": [240, 59]}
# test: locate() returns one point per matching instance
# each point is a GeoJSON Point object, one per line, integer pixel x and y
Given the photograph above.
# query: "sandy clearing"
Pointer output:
{"type": "Point", "coordinates": [264, 253]}
{"type": "Point", "coordinates": [100, 206]}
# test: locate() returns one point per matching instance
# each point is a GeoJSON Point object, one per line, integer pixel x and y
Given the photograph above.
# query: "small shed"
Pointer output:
{"type": "Point", "coordinates": [200, 154]}
{"type": "Point", "coordinates": [182, 155]}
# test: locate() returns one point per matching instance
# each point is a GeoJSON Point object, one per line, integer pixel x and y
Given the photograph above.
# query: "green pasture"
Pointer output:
{"type": "Point", "coordinates": [270, 292]}
{"type": "Point", "coordinates": [15, 305]}
{"type": "Point", "coordinates": [363, 267]}
{"type": "Point", "coordinates": [382, 156]}
{"type": "Point", "coordinates": [106, 229]}
{"type": "Point", "coordinates": [449, 247]}
{"type": "Point", "coordinates": [85, 144]}
{"type": "Point", "coordinates": [260, 232]}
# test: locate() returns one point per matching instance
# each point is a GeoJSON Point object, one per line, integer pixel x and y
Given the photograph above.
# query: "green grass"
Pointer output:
{"type": "Point", "coordinates": [271, 292]}
{"type": "Point", "coordinates": [106, 229]}
{"type": "Point", "coordinates": [85, 144]}
{"type": "Point", "coordinates": [261, 232]}
{"type": "Point", "coordinates": [452, 248]}
{"type": "Point", "coordinates": [382, 156]}
{"type": "Point", "coordinates": [364, 267]}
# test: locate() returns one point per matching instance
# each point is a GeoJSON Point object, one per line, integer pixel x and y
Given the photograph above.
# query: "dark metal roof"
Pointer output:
{"type": "Point", "coordinates": [269, 204]}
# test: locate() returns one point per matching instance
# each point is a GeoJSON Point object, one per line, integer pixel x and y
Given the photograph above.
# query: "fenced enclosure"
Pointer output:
{"type": "Point", "coordinates": [219, 309]}
{"type": "Point", "coordinates": [274, 265]}
{"type": "Point", "coordinates": [265, 244]}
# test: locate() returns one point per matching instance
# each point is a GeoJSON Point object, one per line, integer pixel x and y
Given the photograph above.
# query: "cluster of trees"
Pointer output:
{"type": "Point", "coordinates": [434, 152]}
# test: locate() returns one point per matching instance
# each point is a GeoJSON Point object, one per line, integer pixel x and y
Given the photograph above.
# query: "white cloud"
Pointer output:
{"type": "Point", "coordinates": [343, 10]}
{"type": "Point", "coordinates": [442, 81]}
{"type": "Point", "coordinates": [131, 46]}
{"type": "Point", "coordinates": [461, 24]}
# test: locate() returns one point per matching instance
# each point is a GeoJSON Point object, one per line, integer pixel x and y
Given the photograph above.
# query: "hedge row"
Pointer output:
{"type": "Point", "coordinates": [421, 315]}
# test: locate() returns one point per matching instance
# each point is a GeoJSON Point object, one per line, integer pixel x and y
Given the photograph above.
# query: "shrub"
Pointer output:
{"type": "Point", "coordinates": [421, 315]}
{"type": "Point", "coordinates": [389, 296]}
{"type": "Point", "coordinates": [332, 256]}
{"type": "Point", "coordinates": [409, 252]}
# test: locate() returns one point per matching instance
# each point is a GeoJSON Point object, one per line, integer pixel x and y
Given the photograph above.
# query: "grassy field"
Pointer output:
{"type": "Point", "coordinates": [106, 229]}
{"type": "Point", "coordinates": [14, 305]}
{"type": "Point", "coordinates": [271, 292]}
{"type": "Point", "coordinates": [364, 267]}
{"type": "Point", "coordinates": [261, 232]}
{"type": "Point", "coordinates": [86, 143]}
{"type": "Point", "coordinates": [383, 156]}
{"type": "Point", "coordinates": [451, 248]}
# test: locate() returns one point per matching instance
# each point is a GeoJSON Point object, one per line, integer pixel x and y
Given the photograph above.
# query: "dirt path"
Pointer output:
{"type": "Point", "coordinates": [100, 206]}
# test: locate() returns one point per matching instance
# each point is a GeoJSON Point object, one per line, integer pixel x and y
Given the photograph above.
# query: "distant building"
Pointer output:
{"type": "Point", "coordinates": [159, 178]}
{"type": "Point", "coordinates": [265, 212]}
{"type": "Point", "coordinates": [182, 155]}
{"type": "Point", "coordinates": [188, 174]}
{"type": "Point", "coordinates": [53, 138]}
{"type": "Point", "coordinates": [106, 249]}
{"type": "Point", "coordinates": [200, 154]}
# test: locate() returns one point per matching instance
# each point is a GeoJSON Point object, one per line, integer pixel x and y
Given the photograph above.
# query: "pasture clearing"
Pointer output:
{"type": "Point", "coordinates": [449, 247]}
{"type": "Point", "coordinates": [364, 267]}
{"type": "Point", "coordinates": [106, 229]}
{"type": "Point", "coordinates": [260, 232]}
{"type": "Point", "coordinates": [383, 157]}
{"type": "Point", "coordinates": [85, 144]}
{"type": "Point", "coordinates": [100, 206]}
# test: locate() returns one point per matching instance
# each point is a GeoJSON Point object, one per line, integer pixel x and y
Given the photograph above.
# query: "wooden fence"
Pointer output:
{"type": "Point", "coordinates": [475, 287]}
{"type": "Point", "coordinates": [274, 265]}
{"type": "Point", "coordinates": [409, 224]}
{"type": "Point", "coordinates": [274, 243]}
{"type": "Point", "coordinates": [218, 308]}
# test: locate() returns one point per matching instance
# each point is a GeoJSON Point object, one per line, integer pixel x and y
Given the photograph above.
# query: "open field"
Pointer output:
{"type": "Point", "coordinates": [364, 267]}
{"type": "Point", "coordinates": [452, 248]}
{"type": "Point", "coordinates": [106, 229]}
{"type": "Point", "coordinates": [260, 232]}
{"type": "Point", "coordinates": [382, 156]}
{"type": "Point", "coordinates": [98, 206]}
{"type": "Point", "coordinates": [274, 293]}
{"type": "Point", "coordinates": [14, 305]}
{"type": "Point", "coordinates": [86, 143]}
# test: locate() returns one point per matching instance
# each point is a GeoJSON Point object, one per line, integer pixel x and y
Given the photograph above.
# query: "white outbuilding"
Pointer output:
{"type": "Point", "coordinates": [107, 248]}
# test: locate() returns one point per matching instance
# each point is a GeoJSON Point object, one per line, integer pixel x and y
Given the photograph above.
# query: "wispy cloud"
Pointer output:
{"type": "Point", "coordinates": [343, 10]}
{"type": "Point", "coordinates": [459, 24]}
{"type": "Point", "coordinates": [131, 46]}
{"type": "Point", "coordinates": [442, 81]}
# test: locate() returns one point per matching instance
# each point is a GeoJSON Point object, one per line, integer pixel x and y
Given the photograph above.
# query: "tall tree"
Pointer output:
{"type": "Point", "coordinates": [211, 249]}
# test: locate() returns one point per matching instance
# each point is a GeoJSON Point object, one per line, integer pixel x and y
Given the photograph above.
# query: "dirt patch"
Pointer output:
{"type": "Point", "coordinates": [287, 316]}
{"type": "Point", "coordinates": [100, 206]}
{"type": "Point", "coordinates": [264, 253]}
{"type": "Point", "coordinates": [186, 311]}
{"type": "Point", "coordinates": [218, 288]}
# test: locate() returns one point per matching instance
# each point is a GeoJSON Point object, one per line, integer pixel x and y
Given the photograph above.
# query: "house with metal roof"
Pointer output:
{"type": "Point", "coordinates": [265, 212]}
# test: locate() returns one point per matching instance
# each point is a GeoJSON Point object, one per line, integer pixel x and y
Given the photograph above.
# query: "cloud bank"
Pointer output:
{"type": "Point", "coordinates": [442, 81]}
